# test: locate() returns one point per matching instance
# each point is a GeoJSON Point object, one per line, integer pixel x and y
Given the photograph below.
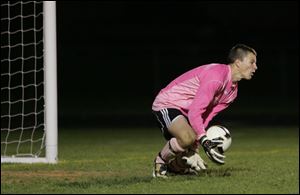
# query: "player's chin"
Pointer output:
{"type": "Point", "coordinates": [249, 77]}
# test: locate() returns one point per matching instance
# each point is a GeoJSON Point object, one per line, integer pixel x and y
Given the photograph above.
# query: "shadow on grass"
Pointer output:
{"type": "Point", "coordinates": [223, 172]}
{"type": "Point", "coordinates": [112, 182]}
{"type": "Point", "coordinates": [217, 172]}
{"type": "Point", "coordinates": [107, 182]}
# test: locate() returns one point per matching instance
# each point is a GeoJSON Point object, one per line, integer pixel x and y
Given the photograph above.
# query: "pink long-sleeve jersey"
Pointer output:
{"type": "Point", "coordinates": [200, 94]}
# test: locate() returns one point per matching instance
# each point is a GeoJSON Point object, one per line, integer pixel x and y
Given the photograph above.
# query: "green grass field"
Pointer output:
{"type": "Point", "coordinates": [260, 160]}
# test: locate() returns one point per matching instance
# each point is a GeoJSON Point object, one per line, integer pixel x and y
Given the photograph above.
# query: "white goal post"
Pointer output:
{"type": "Point", "coordinates": [28, 82]}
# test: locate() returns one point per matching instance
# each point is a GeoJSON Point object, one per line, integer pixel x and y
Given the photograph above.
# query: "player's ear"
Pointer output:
{"type": "Point", "coordinates": [237, 62]}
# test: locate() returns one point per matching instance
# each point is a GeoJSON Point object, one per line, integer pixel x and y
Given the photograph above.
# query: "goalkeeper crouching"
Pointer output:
{"type": "Point", "coordinates": [184, 108]}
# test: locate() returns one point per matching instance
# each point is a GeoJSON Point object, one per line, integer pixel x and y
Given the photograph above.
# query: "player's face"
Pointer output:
{"type": "Point", "coordinates": [248, 66]}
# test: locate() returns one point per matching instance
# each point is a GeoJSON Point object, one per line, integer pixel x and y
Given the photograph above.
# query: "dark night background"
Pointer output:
{"type": "Point", "coordinates": [115, 56]}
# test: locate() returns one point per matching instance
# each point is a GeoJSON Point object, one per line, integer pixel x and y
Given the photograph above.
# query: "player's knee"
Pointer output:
{"type": "Point", "coordinates": [191, 139]}
{"type": "Point", "coordinates": [187, 140]}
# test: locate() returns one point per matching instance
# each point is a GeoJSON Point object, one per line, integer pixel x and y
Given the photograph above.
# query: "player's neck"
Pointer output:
{"type": "Point", "coordinates": [235, 74]}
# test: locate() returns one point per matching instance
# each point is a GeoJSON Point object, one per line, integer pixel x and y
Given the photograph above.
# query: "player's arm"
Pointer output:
{"type": "Point", "coordinates": [202, 103]}
{"type": "Point", "coordinates": [214, 112]}
{"type": "Point", "coordinates": [203, 100]}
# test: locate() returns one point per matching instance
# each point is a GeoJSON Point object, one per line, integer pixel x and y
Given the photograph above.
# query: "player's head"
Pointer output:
{"type": "Point", "coordinates": [243, 58]}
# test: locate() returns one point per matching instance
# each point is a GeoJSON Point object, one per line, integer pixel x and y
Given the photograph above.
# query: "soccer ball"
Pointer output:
{"type": "Point", "coordinates": [220, 132]}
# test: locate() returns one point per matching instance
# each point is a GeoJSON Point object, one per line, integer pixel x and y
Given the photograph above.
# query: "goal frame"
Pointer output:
{"type": "Point", "coordinates": [50, 90]}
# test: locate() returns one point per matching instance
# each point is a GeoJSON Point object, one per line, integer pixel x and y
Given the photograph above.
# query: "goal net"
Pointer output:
{"type": "Point", "coordinates": [28, 82]}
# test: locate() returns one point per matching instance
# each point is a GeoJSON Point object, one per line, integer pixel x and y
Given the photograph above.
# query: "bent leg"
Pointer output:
{"type": "Point", "coordinates": [184, 137]}
{"type": "Point", "coordinates": [182, 131]}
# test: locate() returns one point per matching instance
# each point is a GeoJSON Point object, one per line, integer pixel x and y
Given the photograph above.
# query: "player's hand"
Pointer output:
{"type": "Point", "coordinates": [195, 162]}
{"type": "Point", "coordinates": [208, 146]}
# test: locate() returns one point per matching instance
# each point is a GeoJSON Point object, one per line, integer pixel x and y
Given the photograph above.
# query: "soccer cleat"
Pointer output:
{"type": "Point", "coordinates": [160, 170]}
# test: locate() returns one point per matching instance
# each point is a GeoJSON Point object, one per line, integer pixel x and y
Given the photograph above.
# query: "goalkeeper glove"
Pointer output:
{"type": "Point", "coordinates": [195, 162]}
{"type": "Point", "coordinates": [208, 146]}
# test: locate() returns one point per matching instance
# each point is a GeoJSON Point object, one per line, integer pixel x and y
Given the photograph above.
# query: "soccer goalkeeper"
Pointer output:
{"type": "Point", "coordinates": [184, 108]}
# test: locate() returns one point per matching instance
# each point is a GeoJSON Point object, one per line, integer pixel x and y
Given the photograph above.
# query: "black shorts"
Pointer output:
{"type": "Point", "coordinates": [164, 118]}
